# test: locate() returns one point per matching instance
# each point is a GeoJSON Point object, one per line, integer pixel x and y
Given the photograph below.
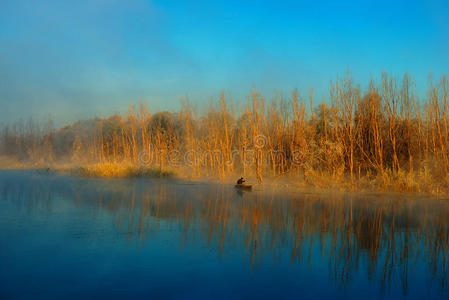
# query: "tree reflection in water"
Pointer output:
{"type": "Point", "coordinates": [389, 237]}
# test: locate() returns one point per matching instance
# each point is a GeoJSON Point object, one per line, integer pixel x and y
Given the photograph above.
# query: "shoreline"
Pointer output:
{"type": "Point", "coordinates": [287, 184]}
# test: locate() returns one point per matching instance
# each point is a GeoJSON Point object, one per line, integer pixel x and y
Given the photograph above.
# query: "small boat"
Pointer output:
{"type": "Point", "coordinates": [242, 186]}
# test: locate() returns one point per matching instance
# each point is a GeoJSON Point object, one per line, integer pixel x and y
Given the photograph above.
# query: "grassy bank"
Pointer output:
{"type": "Point", "coordinates": [389, 182]}
{"type": "Point", "coordinates": [106, 170]}
{"type": "Point", "coordinates": [117, 170]}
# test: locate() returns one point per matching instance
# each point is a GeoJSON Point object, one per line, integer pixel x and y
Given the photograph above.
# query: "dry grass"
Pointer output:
{"type": "Point", "coordinates": [7, 162]}
{"type": "Point", "coordinates": [119, 170]}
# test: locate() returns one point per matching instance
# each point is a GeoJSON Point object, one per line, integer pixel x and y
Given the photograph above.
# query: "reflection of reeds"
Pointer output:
{"type": "Point", "coordinates": [387, 238]}
{"type": "Point", "coordinates": [379, 238]}
{"type": "Point", "coordinates": [385, 138]}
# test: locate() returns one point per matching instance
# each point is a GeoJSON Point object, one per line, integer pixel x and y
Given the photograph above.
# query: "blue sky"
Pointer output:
{"type": "Point", "coordinates": [79, 59]}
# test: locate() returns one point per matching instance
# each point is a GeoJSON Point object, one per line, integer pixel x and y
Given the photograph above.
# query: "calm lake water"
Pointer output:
{"type": "Point", "coordinates": [71, 237]}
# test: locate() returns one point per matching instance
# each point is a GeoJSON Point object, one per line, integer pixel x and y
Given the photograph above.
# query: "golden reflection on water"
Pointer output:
{"type": "Point", "coordinates": [387, 238]}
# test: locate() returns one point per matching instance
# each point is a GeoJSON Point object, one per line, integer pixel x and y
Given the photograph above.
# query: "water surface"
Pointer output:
{"type": "Point", "coordinates": [71, 237]}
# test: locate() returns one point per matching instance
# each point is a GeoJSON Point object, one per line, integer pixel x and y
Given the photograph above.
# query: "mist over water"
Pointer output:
{"type": "Point", "coordinates": [72, 237]}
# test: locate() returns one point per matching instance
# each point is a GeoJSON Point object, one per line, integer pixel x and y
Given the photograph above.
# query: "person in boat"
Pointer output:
{"type": "Point", "coordinates": [240, 181]}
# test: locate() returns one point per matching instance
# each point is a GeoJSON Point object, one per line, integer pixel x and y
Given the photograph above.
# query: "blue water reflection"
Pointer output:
{"type": "Point", "coordinates": [71, 237]}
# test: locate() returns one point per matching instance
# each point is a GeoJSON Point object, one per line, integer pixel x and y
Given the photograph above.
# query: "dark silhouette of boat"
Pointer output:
{"type": "Point", "coordinates": [242, 186]}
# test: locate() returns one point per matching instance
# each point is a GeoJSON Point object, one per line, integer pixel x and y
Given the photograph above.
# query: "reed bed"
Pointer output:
{"type": "Point", "coordinates": [383, 138]}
